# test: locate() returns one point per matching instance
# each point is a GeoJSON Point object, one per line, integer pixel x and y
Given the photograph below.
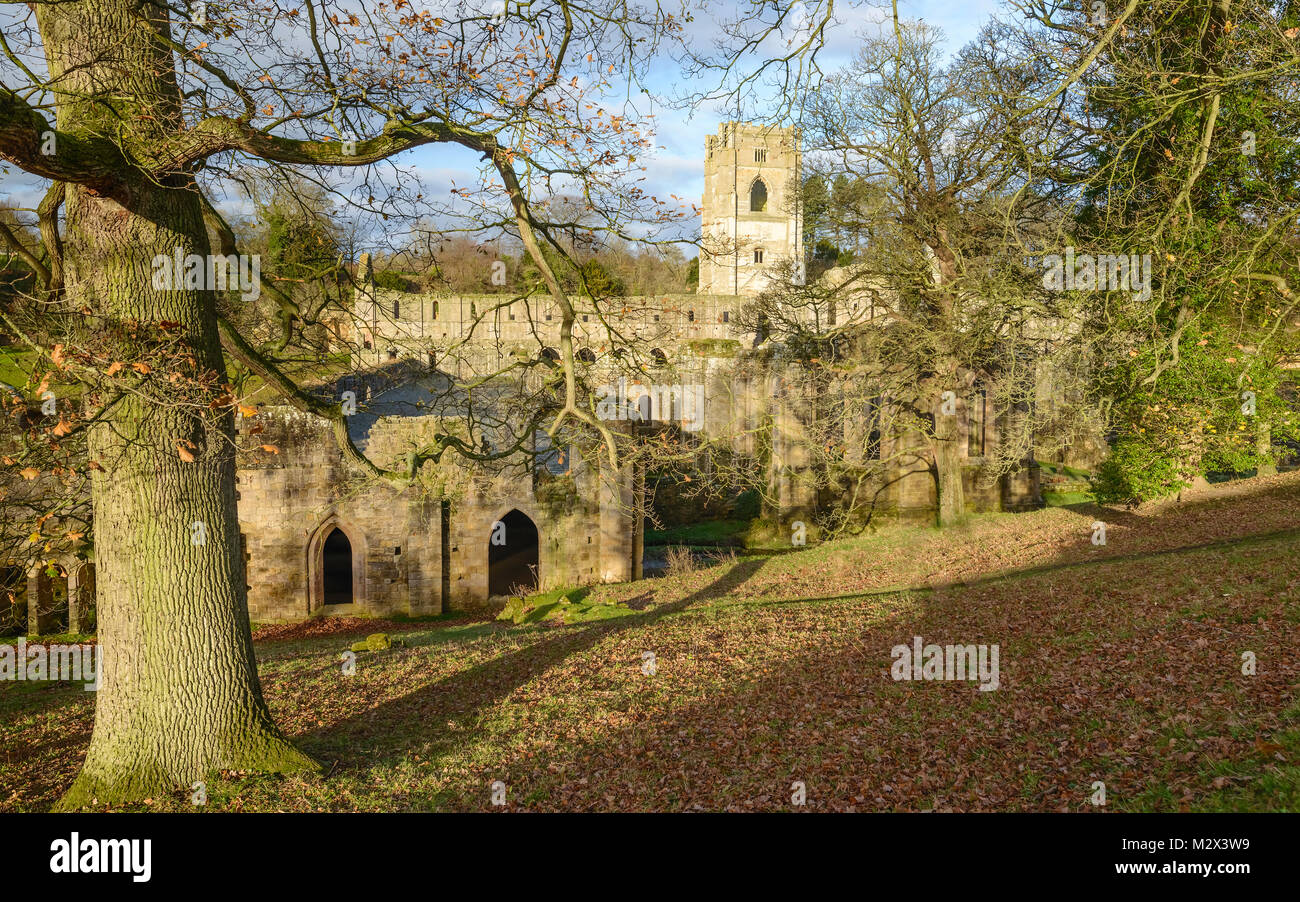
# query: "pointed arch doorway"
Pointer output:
{"type": "Point", "coordinates": [513, 563]}
{"type": "Point", "coordinates": [336, 556]}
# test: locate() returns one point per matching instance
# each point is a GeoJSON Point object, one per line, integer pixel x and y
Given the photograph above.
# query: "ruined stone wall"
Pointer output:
{"type": "Point", "coordinates": [395, 325]}
{"type": "Point", "coordinates": [292, 497]}
{"type": "Point", "coordinates": [777, 404]}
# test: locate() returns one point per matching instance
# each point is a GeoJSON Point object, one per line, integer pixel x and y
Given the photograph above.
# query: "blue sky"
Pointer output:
{"type": "Point", "coordinates": [677, 167]}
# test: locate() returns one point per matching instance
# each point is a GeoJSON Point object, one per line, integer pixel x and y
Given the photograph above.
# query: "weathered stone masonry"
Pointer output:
{"type": "Point", "coordinates": [411, 553]}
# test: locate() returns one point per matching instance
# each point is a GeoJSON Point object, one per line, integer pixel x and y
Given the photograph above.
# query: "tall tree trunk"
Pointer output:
{"type": "Point", "coordinates": [947, 473]}
{"type": "Point", "coordinates": [1264, 449]}
{"type": "Point", "coordinates": [178, 695]}
{"type": "Point", "coordinates": [946, 445]}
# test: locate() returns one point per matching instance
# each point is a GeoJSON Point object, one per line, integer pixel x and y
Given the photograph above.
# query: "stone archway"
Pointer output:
{"type": "Point", "coordinates": [336, 566]}
{"type": "Point", "coordinates": [513, 555]}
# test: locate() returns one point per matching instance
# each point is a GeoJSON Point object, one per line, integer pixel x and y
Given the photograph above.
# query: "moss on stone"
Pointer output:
{"type": "Point", "coordinates": [376, 642]}
{"type": "Point", "coordinates": [714, 347]}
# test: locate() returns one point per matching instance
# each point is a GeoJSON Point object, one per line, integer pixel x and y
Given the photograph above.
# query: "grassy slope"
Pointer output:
{"type": "Point", "coordinates": [1119, 663]}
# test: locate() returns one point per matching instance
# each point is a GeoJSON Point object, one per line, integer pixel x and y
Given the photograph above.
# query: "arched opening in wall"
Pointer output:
{"type": "Point", "coordinates": [758, 197]}
{"type": "Point", "coordinates": [550, 354]}
{"type": "Point", "coordinates": [586, 355]}
{"type": "Point", "coordinates": [336, 569]}
{"type": "Point", "coordinates": [658, 357]}
{"type": "Point", "coordinates": [512, 555]}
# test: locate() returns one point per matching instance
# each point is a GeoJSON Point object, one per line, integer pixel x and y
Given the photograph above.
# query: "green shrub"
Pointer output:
{"type": "Point", "coordinates": [393, 281]}
{"type": "Point", "coordinates": [748, 505]}
{"type": "Point", "coordinates": [1135, 472]}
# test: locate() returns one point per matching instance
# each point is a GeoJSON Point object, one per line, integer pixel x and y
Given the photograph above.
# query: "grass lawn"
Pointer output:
{"type": "Point", "coordinates": [1119, 663]}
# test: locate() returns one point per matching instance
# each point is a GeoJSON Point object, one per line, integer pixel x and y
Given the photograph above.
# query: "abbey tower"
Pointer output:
{"type": "Point", "coordinates": [751, 206]}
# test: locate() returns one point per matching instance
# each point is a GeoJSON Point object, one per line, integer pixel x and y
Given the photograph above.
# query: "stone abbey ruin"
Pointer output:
{"type": "Point", "coordinates": [319, 538]}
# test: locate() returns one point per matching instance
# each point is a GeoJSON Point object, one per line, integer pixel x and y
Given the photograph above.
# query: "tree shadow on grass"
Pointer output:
{"type": "Point", "coordinates": [388, 732]}
{"type": "Point", "coordinates": [388, 726]}
{"type": "Point", "coordinates": [1093, 697]}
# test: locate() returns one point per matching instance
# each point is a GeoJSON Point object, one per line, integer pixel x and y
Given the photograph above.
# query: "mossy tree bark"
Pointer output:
{"type": "Point", "coordinates": [946, 437]}
{"type": "Point", "coordinates": [947, 476]}
{"type": "Point", "coordinates": [1264, 449]}
{"type": "Point", "coordinates": [179, 695]}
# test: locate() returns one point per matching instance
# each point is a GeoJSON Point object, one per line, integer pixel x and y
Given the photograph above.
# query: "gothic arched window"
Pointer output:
{"type": "Point", "coordinates": [758, 197]}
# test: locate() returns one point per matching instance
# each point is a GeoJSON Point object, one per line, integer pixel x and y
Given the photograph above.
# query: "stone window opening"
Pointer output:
{"type": "Point", "coordinates": [976, 416]}
{"type": "Point", "coordinates": [758, 197]}
{"type": "Point", "coordinates": [758, 255]}
{"type": "Point", "coordinates": [872, 415]}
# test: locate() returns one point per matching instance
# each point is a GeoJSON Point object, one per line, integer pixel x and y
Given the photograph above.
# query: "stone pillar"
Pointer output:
{"type": "Point", "coordinates": [638, 522]}
{"type": "Point", "coordinates": [40, 603]}
{"type": "Point", "coordinates": [81, 595]}
{"type": "Point", "coordinates": [616, 530]}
